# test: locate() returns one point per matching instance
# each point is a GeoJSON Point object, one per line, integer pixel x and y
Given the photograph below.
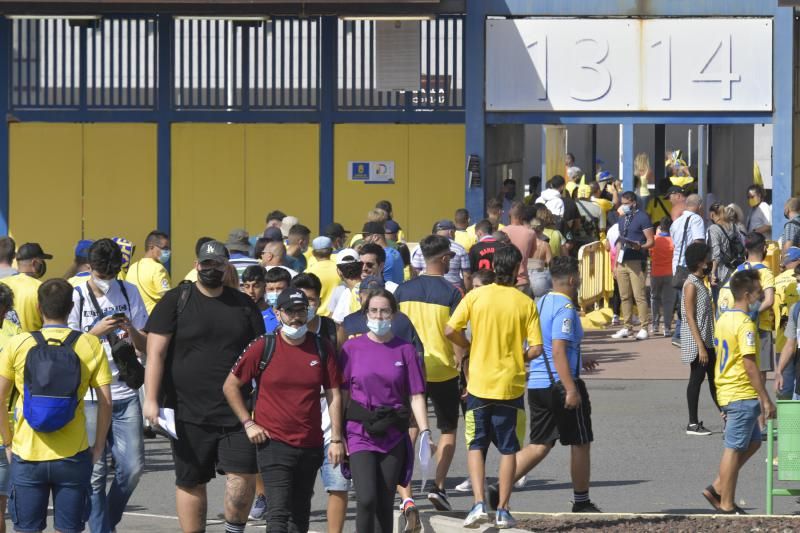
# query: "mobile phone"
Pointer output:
{"type": "Point", "coordinates": [118, 316]}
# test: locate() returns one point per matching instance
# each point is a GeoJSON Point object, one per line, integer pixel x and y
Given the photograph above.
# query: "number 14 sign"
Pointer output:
{"type": "Point", "coordinates": [629, 64]}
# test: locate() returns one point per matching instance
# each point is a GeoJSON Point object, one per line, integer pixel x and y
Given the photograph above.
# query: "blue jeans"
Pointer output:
{"type": "Point", "coordinates": [741, 425]}
{"type": "Point", "coordinates": [126, 444]}
{"type": "Point", "coordinates": [787, 391]}
{"type": "Point", "coordinates": [33, 481]}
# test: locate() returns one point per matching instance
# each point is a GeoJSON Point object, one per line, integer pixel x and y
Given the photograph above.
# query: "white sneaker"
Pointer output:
{"type": "Point", "coordinates": [642, 335]}
{"type": "Point", "coordinates": [621, 334]}
{"type": "Point", "coordinates": [520, 484]}
{"type": "Point", "coordinates": [464, 486]}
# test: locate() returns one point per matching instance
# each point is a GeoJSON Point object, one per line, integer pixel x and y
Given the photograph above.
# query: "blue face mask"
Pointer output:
{"type": "Point", "coordinates": [626, 209]}
{"type": "Point", "coordinates": [754, 307]}
{"type": "Point", "coordinates": [165, 256]}
{"type": "Point", "coordinates": [272, 298]}
{"type": "Point", "coordinates": [379, 327]}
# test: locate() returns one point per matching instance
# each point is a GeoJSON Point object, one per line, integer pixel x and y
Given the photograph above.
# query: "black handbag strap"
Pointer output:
{"type": "Point", "coordinates": [111, 337]}
{"type": "Point", "coordinates": [683, 241]}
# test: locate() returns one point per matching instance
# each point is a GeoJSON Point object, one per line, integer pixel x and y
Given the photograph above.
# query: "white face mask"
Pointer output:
{"type": "Point", "coordinates": [379, 327]}
{"type": "Point", "coordinates": [293, 332]}
{"type": "Point", "coordinates": [103, 284]}
{"type": "Point", "coordinates": [312, 312]}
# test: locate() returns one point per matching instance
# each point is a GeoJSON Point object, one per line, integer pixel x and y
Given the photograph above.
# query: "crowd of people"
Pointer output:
{"type": "Point", "coordinates": [282, 356]}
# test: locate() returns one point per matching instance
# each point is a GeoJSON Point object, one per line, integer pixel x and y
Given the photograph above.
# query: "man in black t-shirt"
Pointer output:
{"type": "Point", "coordinates": [481, 254]}
{"type": "Point", "coordinates": [195, 334]}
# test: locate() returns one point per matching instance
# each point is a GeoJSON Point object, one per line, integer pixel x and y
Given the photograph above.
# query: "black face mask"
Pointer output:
{"type": "Point", "coordinates": [211, 278]}
{"type": "Point", "coordinates": [510, 195]}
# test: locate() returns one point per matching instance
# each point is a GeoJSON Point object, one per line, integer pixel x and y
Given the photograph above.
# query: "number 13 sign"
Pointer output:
{"type": "Point", "coordinates": [629, 65]}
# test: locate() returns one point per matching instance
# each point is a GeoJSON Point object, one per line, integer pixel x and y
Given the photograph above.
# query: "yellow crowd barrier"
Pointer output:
{"type": "Point", "coordinates": [773, 258]}
{"type": "Point", "coordinates": [593, 265]}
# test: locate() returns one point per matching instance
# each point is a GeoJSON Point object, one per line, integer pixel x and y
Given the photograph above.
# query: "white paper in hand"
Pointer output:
{"type": "Point", "coordinates": [166, 421]}
{"type": "Point", "coordinates": [425, 455]}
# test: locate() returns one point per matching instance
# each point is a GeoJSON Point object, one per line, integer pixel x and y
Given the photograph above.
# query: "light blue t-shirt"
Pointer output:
{"type": "Point", "coordinates": [559, 320]}
{"type": "Point", "coordinates": [271, 321]}
{"type": "Point", "coordinates": [393, 268]}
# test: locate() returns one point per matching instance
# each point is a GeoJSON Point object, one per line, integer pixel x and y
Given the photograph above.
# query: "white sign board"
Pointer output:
{"type": "Point", "coordinates": [629, 64]}
{"type": "Point", "coordinates": [371, 171]}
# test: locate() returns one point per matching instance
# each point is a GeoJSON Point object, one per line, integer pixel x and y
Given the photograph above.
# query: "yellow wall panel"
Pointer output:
{"type": "Point", "coordinates": [282, 172]}
{"type": "Point", "coordinates": [437, 175]}
{"type": "Point", "coordinates": [369, 142]}
{"type": "Point", "coordinates": [45, 166]}
{"type": "Point", "coordinates": [119, 177]}
{"type": "Point", "coordinates": [207, 186]}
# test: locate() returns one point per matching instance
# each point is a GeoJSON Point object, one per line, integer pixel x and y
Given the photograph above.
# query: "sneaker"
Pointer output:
{"type": "Point", "coordinates": [676, 342]}
{"type": "Point", "coordinates": [697, 429]}
{"type": "Point", "coordinates": [477, 516]}
{"type": "Point", "coordinates": [621, 334]}
{"type": "Point", "coordinates": [492, 496]}
{"type": "Point", "coordinates": [585, 507]}
{"type": "Point", "coordinates": [521, 483]}
{"type": "Point", "coordinates": [736, 510]}
{"type": "Point", "coordinates": [259, 508]}
{"type": "Point", "coordinates": [667, 333]}
{"type": "Point", "coordinates": [642, 335]}
{"type": "Point", "coordinates": [504, 520]}
{"type": "Point", "coordinates": [411, 514]}
{"type": "Point", "coordinates": [438, 497]}
{"type": "Point", "coordinates": [712, 496]}
{"type": "Point", "coordinates": [464, 486]}
{"type": "Point", "coordinates": [615, 321]}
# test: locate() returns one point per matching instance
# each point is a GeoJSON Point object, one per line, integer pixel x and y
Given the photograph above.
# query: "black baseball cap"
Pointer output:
{"type": "Point", "coordinates": [291, 297]}
{"type": "Point", "coordinates": [675, 190]}
{"type": "Point", "coordinates": [31, 250]}
{"type": "Point", "coordinates": [444, 225]}
{"type": "Point", "coordinates": [373, 228]}
{"type": "Point", "coordinates": [273, 235]}
{"type": "Point", "coordinates": [213, 251]}
{"type": "Point", "coordinates": [334, 229]}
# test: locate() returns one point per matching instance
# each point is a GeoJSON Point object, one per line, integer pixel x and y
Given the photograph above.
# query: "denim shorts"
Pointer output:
{"type": "Point", "coordinates": [31, 483]}
{"type": "Point", "coordinates": [741, 426]}
{"type": "Point", "coordinates": [5, 472]}
{"type": "Point", "coordinates": [332, 478]}
{"type": "Point", "coordinates": [498, 422]}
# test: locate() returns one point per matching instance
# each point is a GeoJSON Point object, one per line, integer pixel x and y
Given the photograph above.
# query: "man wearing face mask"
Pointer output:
{"type": "Point", "coordinates": [289, 441]}
{"type": "Point", "coordinates": [25, 313]}
{"type": "Point", "coordinates": [113, 311]}
{"type": "Point", "coordinates": [636, 237]}
{"type": "Point", "coordinates": [149, 274]}
{"type": "Point", "coordinates": [275, 281]}
{"type": "Point", "coordinates": [195, 334]}
{"type": "Point", "coordinates": [375, 232]}
{"type": "Point", "coordinates": [31, 260]}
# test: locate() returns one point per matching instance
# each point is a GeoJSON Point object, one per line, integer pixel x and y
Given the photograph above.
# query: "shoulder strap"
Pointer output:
{"type": "Point", "coordinates": [39, 338]}
{"type": "Point", "coordinates": [683, 241]}
{"type": "Point", "coordinates": [183, 298]}
{"type": "Point", "coordinates": [661, 205]}
{"type": "Point", "coordinates": [71, 339]}
{"type": "Point", "coordinates": [111, 337]}
{"type": "Point", "coordinates": [321, 351]}
{"type": "Point", "coordinates": [125, 294]}
{"type": "Point", "coordinates": [80, 307]}
{"type": "Point", "coordinates": [266, 355]}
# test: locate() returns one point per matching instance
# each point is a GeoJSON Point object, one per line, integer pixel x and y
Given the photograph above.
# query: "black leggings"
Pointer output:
{"type": "Point", "coordinates": [697, 373]}
{"type": "Point", "coordinates": [376, 476]}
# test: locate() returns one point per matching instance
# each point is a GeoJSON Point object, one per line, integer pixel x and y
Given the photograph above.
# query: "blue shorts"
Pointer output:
{"type": "Point", "coordinates": [498, 422]}
{"type": "Point", "coordinates": [741, 425]}
{"type": "Point", "coordinates": [33, 481]}
{"type": "Point", "coordinates": [5, 472]}
{"type": "Point", "coordinates": [332, 478]}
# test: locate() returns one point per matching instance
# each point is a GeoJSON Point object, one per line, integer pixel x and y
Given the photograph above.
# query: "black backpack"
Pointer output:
{"type": "Point", "coordinates": [738, 254]}
{"type": "Point", "coordinates": [270, 340]}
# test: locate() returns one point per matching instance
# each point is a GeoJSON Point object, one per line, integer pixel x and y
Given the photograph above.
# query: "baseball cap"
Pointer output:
{"type": "Point", "coordinates": [371, 282]}
{"type": "Point", "coordinates": [213, 251]}
{"type": "Point", "coordinates": [348, 255]}
{"type": "Point", "coordinates": [390, 226]}
{"type": "Point", "coordinates": [792, 255]}
{"type": "Point", "coordinates": [82, 248]}
{"type": "Point", "coordinates": [238, 241]}
{"type": "Point", "coordinates": [287, 223]}
{"type": "Point", "coordinates": [31, 250]}
{"type": "Point", "coordinates": [291, 297]}
{"type": "Point", "coordinates": [675, 190]}
{"type": "Point", "coordinates": [604, 176]}
{"type": "Point", "coordinates": [444, 225]}
{"type": "Point", "coordinates": [273, 234]}
{"type": "Point", "coordinates": [334, 230]}
{"type": "Point", "coordinates": [374, 228]}
{"type": "Point", "coordinates": [322, 243]}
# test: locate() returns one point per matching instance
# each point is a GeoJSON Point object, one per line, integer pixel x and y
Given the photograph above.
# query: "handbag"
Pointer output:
{"type": "Point", "coordinates": [681, 272]}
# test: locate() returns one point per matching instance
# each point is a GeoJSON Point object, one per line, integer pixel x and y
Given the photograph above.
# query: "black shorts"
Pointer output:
{"type": "Point", "coordinates": [446, 398]}
{"type": "Point", "coordinates": [201, 451]}
{"type": "Point", "coordinates": [551, 421]}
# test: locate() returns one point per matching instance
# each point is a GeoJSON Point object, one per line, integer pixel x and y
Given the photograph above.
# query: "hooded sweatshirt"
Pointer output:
{"type": "Point", "coordinates": [551, 198]}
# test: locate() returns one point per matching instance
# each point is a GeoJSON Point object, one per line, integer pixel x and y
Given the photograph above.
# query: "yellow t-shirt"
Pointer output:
{"type": "Point", "coordinates": [556, 239]}
{"type": "Point", "coordinates": [502, 319]}
{"type": "Point", "coordinates": [658, 208]}
{"type": "Point", "coordinates": [465, 238]}
{"type": "Point", "coordinates": [766, 319]}
{"type": "Point", "coordinates": [191, 275]}
{"type": "Point", "coordinates": [735, 337]}
{"type": "Point", "coordinates": [152, 280]}
{"type": "Point", "coordinates": [310, 259]}
{"type": "Point", "coordinates": [328, 275]}
{"type": "Point", "coordinates": [401, 237]}
{"type": "Point", "coordinates": [72, 438]}
{"type": "Point", "coordinates": [26, 300]}
{"type": "Point", "coordinates": [78, 278]}
{"type": "Point", "coordinates": [785, 297]}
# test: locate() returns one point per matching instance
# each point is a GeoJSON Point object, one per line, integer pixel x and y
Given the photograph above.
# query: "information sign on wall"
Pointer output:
{"type": "Point", "coordinates": [371, 171]}
{"type": "Point", "coordinates": [675, 64]}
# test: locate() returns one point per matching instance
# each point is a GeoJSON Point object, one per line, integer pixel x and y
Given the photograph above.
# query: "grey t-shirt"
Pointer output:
{"type": "Point", "coordinates": [759, 216]}
{"type": "Point", "coordinates": [791, 325]}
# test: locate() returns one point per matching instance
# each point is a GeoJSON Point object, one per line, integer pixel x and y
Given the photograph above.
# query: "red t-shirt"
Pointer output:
{"type": "Point", "coordinates": [287, 405]}
{"type": "Point", "coordinates": [525, 240]}
{"type": "Point", "coordinates": [661, 255]}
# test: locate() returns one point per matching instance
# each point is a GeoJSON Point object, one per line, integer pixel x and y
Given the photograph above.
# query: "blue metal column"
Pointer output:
{"type": "Point", "coordinates": [327, 106]}
{"type": "Point", "coordinates": [166, 29]}
{"type": "Point", "coordinates": [5, 94]}
{"type": "Point", "coordinates": [474, 73]}
{"type": "Point", "coordinates": [702, 161]}
{"type": "Point", "coordinates": [783, 114]}
{"type": "Point", "coordinates": [626, 156]}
